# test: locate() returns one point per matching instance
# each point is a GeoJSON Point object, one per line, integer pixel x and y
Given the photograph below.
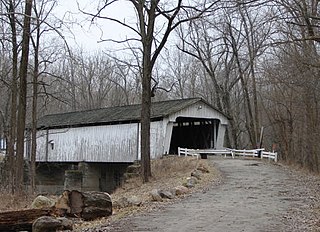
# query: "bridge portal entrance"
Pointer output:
{"type": "Point", "coordinates": [197, 133]}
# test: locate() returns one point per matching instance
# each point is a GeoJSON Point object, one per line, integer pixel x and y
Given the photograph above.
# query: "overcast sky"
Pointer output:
{"type": "Point", "coordinates": [87, 33]}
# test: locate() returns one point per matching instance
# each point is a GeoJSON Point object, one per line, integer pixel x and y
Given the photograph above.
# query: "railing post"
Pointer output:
{"type": "Point", "coordinates": [179, 152]}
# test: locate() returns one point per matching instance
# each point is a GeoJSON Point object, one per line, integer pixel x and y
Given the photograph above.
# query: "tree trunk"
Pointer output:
{"type": "Point", "coordinates": [14, 90]}
{"type": "Point", "coordinates": [248, 109]}
{"type": "Point", "coordinates": [145, 124]}
{"type": "Point", "coordinates": [147, 65]}
{"type": "Point", "coordinates": [23, 73]}
{"type": "Point", "coordinates": [34, 110]}
{"type": "Point", "coordinates": [34, 130]}
{"type": "Point", "coordinates": [252, 47]}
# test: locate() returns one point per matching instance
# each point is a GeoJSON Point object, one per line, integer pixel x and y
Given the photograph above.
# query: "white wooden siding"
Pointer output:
{"type": "Point", "coordinates": [111, 143]}
{"type": "Point", "coordinates": [156, 138]}
{"type": "Point", "coordinates": [199, 110]}
{"type": "Point", "coordinates": [220, 137]}
{"type": "Point", "coordinates": [167, 133]}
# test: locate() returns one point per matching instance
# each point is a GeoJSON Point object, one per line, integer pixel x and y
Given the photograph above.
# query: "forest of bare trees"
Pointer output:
{"type": "Point", "coordinates": [256, 61]}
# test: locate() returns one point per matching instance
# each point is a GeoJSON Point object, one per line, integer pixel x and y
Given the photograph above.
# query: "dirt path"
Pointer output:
{"type": "Point", "coordinates": [253, 196]}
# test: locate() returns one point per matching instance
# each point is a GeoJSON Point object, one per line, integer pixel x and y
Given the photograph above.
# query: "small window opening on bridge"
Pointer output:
{"type": "Point", "coordinates": [51, 144]}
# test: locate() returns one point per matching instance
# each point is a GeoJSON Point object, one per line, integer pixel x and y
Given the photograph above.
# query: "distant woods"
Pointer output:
{"type": "Point", "coordinates": [256, 61]}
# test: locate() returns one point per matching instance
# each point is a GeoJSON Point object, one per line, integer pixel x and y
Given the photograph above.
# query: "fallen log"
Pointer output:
{"type": "Point", "coordinates": [86, 205]}
{"type": "Point", "coordinates": [21, 220]}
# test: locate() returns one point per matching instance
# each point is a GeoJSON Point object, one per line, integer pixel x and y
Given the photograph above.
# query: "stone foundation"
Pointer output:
{"type": "Point", "coordinates": [53, 178]}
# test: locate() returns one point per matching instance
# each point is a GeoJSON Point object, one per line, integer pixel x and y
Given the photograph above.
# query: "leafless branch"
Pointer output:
{"type": "Point", "coordinates": [119, 41]}
{"type": "Point", "coordinates": [112, 20]}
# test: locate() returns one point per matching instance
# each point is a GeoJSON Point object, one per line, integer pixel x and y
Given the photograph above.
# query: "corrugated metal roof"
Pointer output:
{"type": "Point", "coordinates": [113, 114]}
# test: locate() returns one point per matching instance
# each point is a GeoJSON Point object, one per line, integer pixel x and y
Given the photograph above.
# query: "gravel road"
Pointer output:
{"type": "Point", "coordinates": [254, 196]}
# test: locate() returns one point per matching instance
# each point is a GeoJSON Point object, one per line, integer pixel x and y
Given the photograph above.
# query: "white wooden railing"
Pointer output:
{"type": "Point", "coordinates": [270, 155]}
{"type": "Point", "coordinates": [186, 152]}
{"type": "Point", "coordinates": [228, 151]}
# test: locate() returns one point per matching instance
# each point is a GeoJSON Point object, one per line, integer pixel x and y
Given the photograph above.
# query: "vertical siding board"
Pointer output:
{"type": "Point", "coordinates": [167, 134]}
{"type": "Point", "coordinates": [156, 138]}
{"type": "Point", "coordinates": [41, 145]}
{"type": "Point", "coordinates": [220, 136]}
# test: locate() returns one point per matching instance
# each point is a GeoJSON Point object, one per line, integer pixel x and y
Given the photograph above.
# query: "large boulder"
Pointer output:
{"type": "Point", "coordinates": [196, 174]}
{"type": "Point", "coordinates": [87, 205]}
{"type": "Point", "coordinates": [180, 190]}
{"type": "Point", "coordinates": [134, 201]}
{"type": "Point", "coordinates": [155, 195]}
{"type": "Point", "coordinates": [166, 194]}
{"type": "Point", "coordinates": [158, 195]}
{"type": "Point", "coordinates": [127, 201]}
{"type": "Point", "coordinates": [203, 169]}
{"type": "Point", "coordinates": [191, 182]}
{"type": "Point", "coordinates": [91, 204]}
{"type": "Point", "coordinates": [42, 202]}
{"type": "Point", "coordinates": [51, 224]}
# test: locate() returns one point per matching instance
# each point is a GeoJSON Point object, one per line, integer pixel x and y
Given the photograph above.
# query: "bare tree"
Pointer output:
{"type": "Point", "coordinates": [153, 38]}
{"type": "Point", "coordinates": [41, 10]}
{"type": "Point", "coordinates": [23, 73]}
{"type": "Point", "coordinates": [126, 82]}
{"type": "Point", "coordinates": [83, 81]}
{"type": "Point", "coordinates": [228, 48]}
{"type": "Point", "coordinates": [297, 76]}
{"type": "Point", "coordinates": [181, 75]}
{"type": "Point", "coordinates": [11, 7]}
{"type": "Point", "coordinates": [5, 93]}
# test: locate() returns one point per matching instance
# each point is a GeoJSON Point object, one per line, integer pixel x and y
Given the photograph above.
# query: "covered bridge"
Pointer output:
{"type": "Point", "coordinates": [111, 136]}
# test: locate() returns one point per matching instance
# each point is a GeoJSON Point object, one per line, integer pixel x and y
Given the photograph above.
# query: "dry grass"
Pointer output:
{"type": "Point", "coordinates": [170, 166]}
{"type": "Point", "coordinates": [167, 173]}
{"type": "Point", "coordinates": [9, 202]}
